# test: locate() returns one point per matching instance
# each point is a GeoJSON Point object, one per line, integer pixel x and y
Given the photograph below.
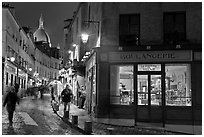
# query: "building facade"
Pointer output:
{"type": "Point", "coordinates": [35, 62]}
{"type": "Point", "coordinates": [17, 44]}
{"type": "Point", "coordinates": [144, 60]}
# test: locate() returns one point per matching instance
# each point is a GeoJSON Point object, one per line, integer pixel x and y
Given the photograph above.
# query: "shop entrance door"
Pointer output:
{"type": "Point", "coordinates": [149, 97]}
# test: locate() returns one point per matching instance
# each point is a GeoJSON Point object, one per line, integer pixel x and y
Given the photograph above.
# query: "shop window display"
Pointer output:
{"type": "Point", "coordinates": [156, 90]}
{"type": "Point", "coordinates": [121, 85]}
{"type": "Point", "coordinates": [178, 85]}
{"type": "Point", "coordinates": [142, 89]}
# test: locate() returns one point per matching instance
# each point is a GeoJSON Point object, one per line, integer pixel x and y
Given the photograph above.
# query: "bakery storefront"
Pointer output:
{"type": "Point", "coordinates": [151, 86]}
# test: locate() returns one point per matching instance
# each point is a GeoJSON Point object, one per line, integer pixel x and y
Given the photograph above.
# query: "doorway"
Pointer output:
{"type": "Point", "coordinates": [149, 97]}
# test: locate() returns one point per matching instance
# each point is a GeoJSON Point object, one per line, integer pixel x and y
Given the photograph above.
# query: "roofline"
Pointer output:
{"type": "Point", "coordinates": [74, 16]}
{"type": "Point", "coordinates": [17, 22]}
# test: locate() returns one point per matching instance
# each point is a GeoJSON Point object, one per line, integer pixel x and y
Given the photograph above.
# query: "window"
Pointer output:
{"type": "Point", "coordinates": [7, 77]}
{"type": "Point", "coordinates": [11, 79]}
{"type": "Point", "coordinates": [22, 83]}
{"type": "Point", "coordinates": [129, 30]}
{"type": "Point", "coordinates": [174, 28]}
{"type": "Point", "coordinates": [178, 85]}
{"type": "Point", "coordinates": [121, 85]}
{"type": "Point", "coordinates": [55, 65]}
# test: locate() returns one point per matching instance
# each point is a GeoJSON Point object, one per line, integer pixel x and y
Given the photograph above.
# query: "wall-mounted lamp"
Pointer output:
{"type": "Point", "coordinates": [69, 51]}
{"type": "Point", "coordinates": [30, 69]}
{"type": "Point", "coordinates": [74, 45]}
{"type": "Point", "coordinates": [84, 37]}
{"type": "Point", "coordinates": [12, 59]}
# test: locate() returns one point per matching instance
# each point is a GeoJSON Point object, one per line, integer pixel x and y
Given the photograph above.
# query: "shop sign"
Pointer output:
{"type": "Point", "coordinates": [150, 56]}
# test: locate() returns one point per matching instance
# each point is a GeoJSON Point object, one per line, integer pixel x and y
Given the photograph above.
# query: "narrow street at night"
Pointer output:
{"type": "Point", "coordinates": [102, 68]}
{"type": "Point", "coordinates": [35, 117]}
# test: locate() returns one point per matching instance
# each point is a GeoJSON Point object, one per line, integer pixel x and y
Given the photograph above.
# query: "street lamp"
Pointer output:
{"type": "Point", "coordinates": [85, 36]}
{"type": "Point", "coordinates": [12, 59]}
{"type": "Point", "coordinates": [30, 69]}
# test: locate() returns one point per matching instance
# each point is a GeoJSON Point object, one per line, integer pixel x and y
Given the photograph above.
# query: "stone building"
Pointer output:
{"type": "Point", "coordinates": [142, 61]}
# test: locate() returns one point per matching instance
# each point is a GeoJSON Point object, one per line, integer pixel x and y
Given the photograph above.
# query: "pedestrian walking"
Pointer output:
{"type": "Point", "coordinates": [82, 97]}
{"type": "Point", "coordinates": [66, 96]}
{"type": "Point", "coordinates": [10, 102]}
{"type": "Point", "coordinates": [16, 86]}
{"type": "Point", "coordinates": [41, 89]}
{"type": "Point", "coordinates": [52, 93]}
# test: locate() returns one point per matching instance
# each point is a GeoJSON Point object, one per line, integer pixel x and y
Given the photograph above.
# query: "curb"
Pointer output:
{"type": "Point", "coordinates": [70, 124]}
{"type": "Point", "coordinates": [85, 133]}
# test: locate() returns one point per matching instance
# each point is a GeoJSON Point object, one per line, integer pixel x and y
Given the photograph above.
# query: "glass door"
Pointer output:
{"type": "Point", "coordinates": [142, 90]}
{"type": "Point", "coordinates": [149, 97]}
{"type": "Point", "coordinates": [155, 90]}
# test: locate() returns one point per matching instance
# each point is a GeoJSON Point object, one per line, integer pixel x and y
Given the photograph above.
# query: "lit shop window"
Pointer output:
{"type": "Point", "coordinates": [178, 85]}
{"type": "Point", "coordinates": [121, 85]}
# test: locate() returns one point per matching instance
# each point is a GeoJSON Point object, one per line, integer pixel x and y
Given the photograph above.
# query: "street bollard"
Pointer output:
{"type": "Point", "coordinates": [74, 120]}
{"type": "Point", "coordinates": [110, 131]}
{"type": "Point", "coordinates": [66, 115]}
{"type": "Point", "coordinates": [88, 127]}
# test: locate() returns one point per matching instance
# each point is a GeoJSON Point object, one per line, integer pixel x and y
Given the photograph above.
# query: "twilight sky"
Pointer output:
{"type": "Point", "coordinates": [54, 14]}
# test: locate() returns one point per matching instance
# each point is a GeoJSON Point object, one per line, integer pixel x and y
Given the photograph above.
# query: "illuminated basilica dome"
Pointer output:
{"type": "Point", "coordinates": [40, 35]}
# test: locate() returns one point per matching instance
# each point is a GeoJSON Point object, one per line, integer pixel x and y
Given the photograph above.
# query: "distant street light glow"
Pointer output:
{"type": "Point", "coordinates": [30, 69]}
{"type": "Point", "coordinates": [12, 59]}
{"type": "Point", "coordinates": [84, 37]}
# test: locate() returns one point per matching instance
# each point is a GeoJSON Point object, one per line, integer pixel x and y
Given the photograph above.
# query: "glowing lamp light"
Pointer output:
{"type": "Point", "coordinates": [30, 69]}
{"type": "Point", "coordinates": [84, 37]}
{"type": "Point", "coordinates": [69, 51]}
{"type": "Point", "coordinates": [12, 59]}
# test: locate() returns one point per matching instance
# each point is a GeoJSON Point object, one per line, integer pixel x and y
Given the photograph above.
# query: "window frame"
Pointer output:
{"type": "Point", "coordinates": [123, 44]}
{"type": "Point", "coordinates": [133, 84]}
{"type": "Point", "coordinates": [187, 64]}
{"type": "Point", "coordinates": [174, 15]}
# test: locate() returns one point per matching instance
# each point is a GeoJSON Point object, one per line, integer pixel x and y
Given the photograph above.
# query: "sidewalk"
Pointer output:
{"type": "Point", "coordinates": [16, 129]}
{"type": "Point", "coordinates": [100, 126]}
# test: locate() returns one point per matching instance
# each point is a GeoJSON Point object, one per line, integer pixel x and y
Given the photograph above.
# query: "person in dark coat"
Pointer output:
{"type": "Point", "coordinates": [10, 102]}
{"type": "Point", "coordinates": [66, 96]}
{"type": "Point", "coordinates": [16, 86]}
{"type": "Point", "coordinates": [82, 97]}
{"type": "Point", "coordinates": [41, 89]}
{"type": "Point", "coordinates": [52, 93]}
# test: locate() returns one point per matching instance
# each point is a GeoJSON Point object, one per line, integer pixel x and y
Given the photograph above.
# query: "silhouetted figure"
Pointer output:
{"type": "Point", "coordinates": [66, 96]}
{"type": "Point", "coordinates": [16, 86]}
{"type": "Point", "coordinates": [10, 102]}
{"type": "Point", "coordinates": [82, 97]}
{"type": "Point", "coordinates": [52, 93]}
{"type": "Point", "coordinates": [41, 89]}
